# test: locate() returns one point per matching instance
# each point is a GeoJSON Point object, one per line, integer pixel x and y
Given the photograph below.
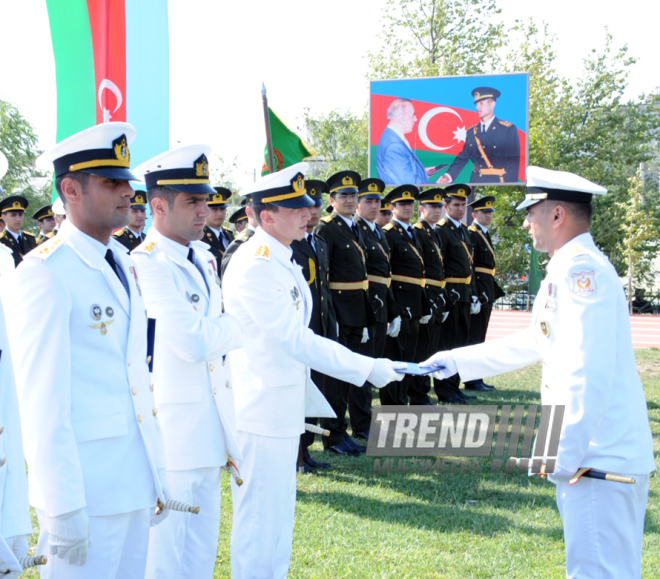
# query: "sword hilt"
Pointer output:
{"type": "Point", "coordinates": [27, 562]}
{"type": "Point", "coordinates": [316, 429]}
{"type": "Point", "coordinates": [176, 506]}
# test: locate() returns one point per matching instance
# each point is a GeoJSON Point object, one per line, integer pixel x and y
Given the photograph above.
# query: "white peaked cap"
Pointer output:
{"type": "Point", "coordinates": [546, 184]}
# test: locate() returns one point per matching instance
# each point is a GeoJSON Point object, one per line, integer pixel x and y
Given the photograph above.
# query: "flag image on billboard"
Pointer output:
{"type": "Point", "coordinates": [458, 129]}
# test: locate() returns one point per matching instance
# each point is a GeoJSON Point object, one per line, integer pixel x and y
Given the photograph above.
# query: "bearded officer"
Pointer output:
{"type": "Point", "coordinates": [216, 235]}
{"type": "Point", "coordinates": [580, 329]}
{"type": "Point", "coordinates": [192, 380]}
{"type": "Point", "coordinates": [266, 290]}
{"type": "Point", "coordinates": [14, 237]}
{"type": "Point", "coordinates": [130, 236]}
{"type": "Point", "coordinates": [92, 438]}
{"type": "Point", "coordinates": [488, 289]}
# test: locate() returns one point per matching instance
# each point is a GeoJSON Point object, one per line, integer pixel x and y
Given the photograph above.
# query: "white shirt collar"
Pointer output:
{"type": "Point", "coordinates": [134, 232]}
{"type": "Point", "coordinates": [216, 231]}
{"type": "Point", "coordinates": [484, 229]}
{"type": "Point", "coordinates": [404, 225]}
{"type": "Point", "coordinates": [456, 223]}
{"type": "Point", "coordinates": [350, 222]}
{"type": "Point", "coordinates": [169, 244]}
{"type": "Point", "coordinates": [400, 134]}
{"type": "Point", "coordinates": [488, 122]}
{"type": "Point", "coordinates": [16, 235]}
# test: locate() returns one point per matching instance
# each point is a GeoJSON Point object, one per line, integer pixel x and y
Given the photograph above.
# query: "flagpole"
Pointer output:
{"type": "Point", "coordinates": [269, 140]}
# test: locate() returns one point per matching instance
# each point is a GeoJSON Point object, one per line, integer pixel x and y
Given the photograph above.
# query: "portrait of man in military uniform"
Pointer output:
{"type": "Point", "coordinates": [492, 145]}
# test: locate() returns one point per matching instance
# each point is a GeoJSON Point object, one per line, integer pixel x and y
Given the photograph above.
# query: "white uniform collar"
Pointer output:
{"type": "Point", "coordinates": [566, 251]}
{"type": "Point", "coordinates": [169, 246]}
{"type": "Point", "coordinates": [277, 249]}
{"type": "Point", "coordinates": [67, 228]}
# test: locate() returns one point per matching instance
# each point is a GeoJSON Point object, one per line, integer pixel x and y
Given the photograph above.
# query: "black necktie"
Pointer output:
{"type": "Point", "coordinates": [377, 233]}
{"type": "Point", "coordinates": [355, 230]}
{"type": "Point", "coordinates": [110, 258]}
{"type": "Point", "coordinates": [310, 240]}
{"type": "Point", "coordinates": [410, 231]}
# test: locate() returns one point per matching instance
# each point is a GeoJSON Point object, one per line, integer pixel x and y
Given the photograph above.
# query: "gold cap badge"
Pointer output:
{"type": "Point", "coordinates": [373, 187]}
{"type": "Point", "coordinates": [347, 180]}
{"type": "Point", "coordinates": [202, 167]}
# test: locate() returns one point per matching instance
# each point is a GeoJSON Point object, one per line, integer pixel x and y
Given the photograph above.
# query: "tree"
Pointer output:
{"type": "Point", "coordinates": [19, 144]}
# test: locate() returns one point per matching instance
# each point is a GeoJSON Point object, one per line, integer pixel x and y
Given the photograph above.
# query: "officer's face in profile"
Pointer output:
{"type": "Point", "coordinates": [102, 205]}
{"type": "Point", "coordinates": [539, 224]}
{"type": "Point", "coordinates": [403, 210]}
{"type": "Point", "coordinates": [285, 224]}
{"type": "Point", "coordinates": [485, 109]}
{"type": "Point", "coordinates": [216, 217]}
{"type": "Point", "coordinates": [136, 219]}
{"type": "Point", "coordinates": [455, 208]}
{"type": "Point", "coordinates": [369, 208]}
{"type": "Point", "coordinates": [14, 220]}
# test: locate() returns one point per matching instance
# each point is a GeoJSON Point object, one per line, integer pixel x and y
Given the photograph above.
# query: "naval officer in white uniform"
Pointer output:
{"type": "Point", "coordinates": [191, 377]}
{"type": "Point", "coordinates": [266, 290]}
{"type": "Point", "coordinates": [580, 329]}
{"type": "Point", "coordinates": [79, 342]}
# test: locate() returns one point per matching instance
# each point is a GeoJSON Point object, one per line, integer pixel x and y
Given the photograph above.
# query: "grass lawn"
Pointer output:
{"type": "Point", "coordinates": [353, 523]}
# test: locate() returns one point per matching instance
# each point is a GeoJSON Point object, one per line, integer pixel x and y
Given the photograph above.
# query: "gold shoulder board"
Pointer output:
{"type": "Point", "coordinates": [145, 247]}
{"type": "Point", "coordinates": [327, 219]}
{"type": "Point", "coordinates": [506, 123]}
{"type": "Point", "coordinates": [46, 249]}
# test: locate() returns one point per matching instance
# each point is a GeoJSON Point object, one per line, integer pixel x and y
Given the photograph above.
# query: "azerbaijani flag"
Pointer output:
{"type": "Point", "coordinates": [112, 64]}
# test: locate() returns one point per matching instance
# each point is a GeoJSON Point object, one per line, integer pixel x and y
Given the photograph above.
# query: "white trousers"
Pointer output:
{"type": "Point", "coordinates": [118, 551]}
{"type": "Point", "coordinates": [185, 545]}
{"type": "Point", "coordinates": [264, 507]}
{"type": "Point", "coordinates": [603, 527]}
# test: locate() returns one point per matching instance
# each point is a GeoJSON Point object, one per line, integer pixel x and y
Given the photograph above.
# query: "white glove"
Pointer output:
{"type": "Point", "coordinates": [485, 297]}
{"type": "Point", "coordinates": [444, 301]}
{"type": "Point", "coordinates": [458, 296]}
{"type": "Point", "coordinates": [384, 372]}
{"type": "Point", "coordinates": [69, 535]}
{"type": "Point", "coordinates": [445, 364]}
{"type": "Point", "coordinates": [475, 308]}
{"type": "Point", "coordinates": [19, 545]}
{"type": "Point", "coordinates": [560, 475]}
{"type": "Point", "coordinates": [365, 335]}
{"type": "Point", "coordinates": [445, 315]}
{"type": "Point", "coordinates": [425, 319]}
{"type": "Point", "coordinates": [157, 519]}
{"type": "Point", "coordinates": [394, 327]}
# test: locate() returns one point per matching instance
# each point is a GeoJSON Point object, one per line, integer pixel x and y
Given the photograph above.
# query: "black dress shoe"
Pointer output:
{"type": "Point", "coordinates": [466, 396]}
{"type": "Point", "coordinates": [455, 399]}
{"type": "Point", "coordinates": [315, 464]}
{"type": "Point", "coordinates": [363, 435]}
{"type": "Point", "coordinates": [355, 445]}
{"type": "Point", "coordinates": [479, 386]}
{"type": "Point", "coordinates": [307, 469]}
{"type": "Point", "coordinates": [344, 448]}
{"type": "Point", "coordinates": [488, 386]}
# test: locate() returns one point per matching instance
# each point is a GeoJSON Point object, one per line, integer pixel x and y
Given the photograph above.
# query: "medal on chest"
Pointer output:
{"type": "Point", "coordinates": [137, 284]}
{"type": "Point", "coordinates": [96, 311]}
{"type": "Point", "coordinates": [550, 303]}
{"type": "Point", "coordinates": [295, 295]}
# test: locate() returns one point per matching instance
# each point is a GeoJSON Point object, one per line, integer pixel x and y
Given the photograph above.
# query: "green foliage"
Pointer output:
{"type": "Point", "coordinates": [19, 144]}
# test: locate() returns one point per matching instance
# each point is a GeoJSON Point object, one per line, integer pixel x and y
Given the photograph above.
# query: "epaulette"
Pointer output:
{"type": "Point", "coordinates": [28, 233]}
{"type": "Point", "coordinates": [46, 249]}
{"type": "Point", "coordinates": [3, 234]}
{"type": "Point", "coordinates": [473, 126]}
{"type": "Point", "coordinates": [227, 229]}
{"type": "Point", "coordinates": [442, 222]}
{"type": "Point", "coordinates": [263, 252]}
{"type": "Point", "coordinates": [505, 123]}
{"type": "Point", "coordinates": [243, 235]}
{"type": "Point", "coordinates": [145, 247]}
{"type": "Point", "coordinates": [578, 250]}
{"type": "Point", "coordinates": [418, 225]}
{"type": "Point", "coordinates": [326, 219]}
{"type": "Point", "coordinates": [389, 227]}
{"type": "Point", "coordinates": [472, 228]}
{"type": "Point", "coordinates": [119, 233]}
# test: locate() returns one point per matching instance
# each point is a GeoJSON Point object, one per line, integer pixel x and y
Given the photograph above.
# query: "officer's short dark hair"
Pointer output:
{"type": "Point", "coordinates": [166, 193]}
{"type": "Point", "coordinates": [449, 199]}
{"type": "Point", "coordinates": [257, 208]}
{"type": "Point", "coordinates": [579, 211]}
{"type": "Point", "coordinates": [82, 178]}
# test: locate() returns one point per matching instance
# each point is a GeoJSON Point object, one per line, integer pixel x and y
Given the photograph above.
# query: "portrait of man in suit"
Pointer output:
{"type": "Point", "coordinates": [396, 162]}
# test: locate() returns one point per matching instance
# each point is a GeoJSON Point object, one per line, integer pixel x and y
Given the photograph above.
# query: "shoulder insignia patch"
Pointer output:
{"type": "Point", "coordinates": [578, 250]}
{"type": "Point", "coordinates": [145, 247]}
{"type": "Point", "coordinates": [472, 228]}
{"type": "Point", "coordinates": [28, 233]}
{"type": "Point", "coordinates": [119, 233]}
{"type": "Point", "coordinates": [3, 234]}
{"type": "Point", "coordinates": [243, 235]}
{"type": "Point", "coordinates": [418, 225]}
{"type": "Point", "coordinates": [389, 227]}
{"type": "Point", "coordinates": [326, 219]}
{"type": "Point", "coordinates": [47, 249]}
{"type": "Point", "coordinates": [263, 251]}
{"type": "Point", "coordinates": [584, 283]}
{"type": "Point", "coordinates": [227, 229]}
{"type": "Point", "coordinates": [442, 222]}
{"type": "Point", "coordinates": [506, 123]}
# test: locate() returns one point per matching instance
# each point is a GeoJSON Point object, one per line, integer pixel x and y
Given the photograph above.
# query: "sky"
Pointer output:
{"type": "Point", "coordinates": [308, 54]}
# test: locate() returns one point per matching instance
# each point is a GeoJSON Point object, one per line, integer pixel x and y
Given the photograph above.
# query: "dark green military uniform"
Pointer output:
{"type": "Point", "coordinates": [128, 239]}
{"type": "Point", "coordinates": [26, 241]}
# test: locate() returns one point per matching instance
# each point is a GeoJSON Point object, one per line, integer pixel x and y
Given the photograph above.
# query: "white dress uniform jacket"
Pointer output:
{"type": "Point", "coordinates": [191, 379]}
{"type": "Point", "coordinates": [6, 264]}
{"type": "Point", "coordinates": [272, 384]}
{"type": "Point", "coordinates": [15, 510]}
{"type": "Point", "coordinates": [91, 434]}
{"type": "Point", "coordinates": [580, 329]}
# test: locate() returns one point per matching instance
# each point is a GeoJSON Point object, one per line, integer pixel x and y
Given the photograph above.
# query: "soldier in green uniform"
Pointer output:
{"type": "Point", "coordinates": [408, 280]}
{"type": "Point", "coordinates": [216, 235]}
{"type": "Point", "coordinates": [130, 236]}
{"type": "Point", "coordinates": [19, 241]}
{"type": "Point", "coordinates": [46, 220]}
{"type": "Point", "coordinates": [456, 247]}
{"type": "Point", "coordinates": [350, 297]}
{"type": "Point", "coordinates": [484, 273]}
{"type": "Point", "coordinates": [492, 145]}
{"type": "Point", "coordinates": [430, 211]}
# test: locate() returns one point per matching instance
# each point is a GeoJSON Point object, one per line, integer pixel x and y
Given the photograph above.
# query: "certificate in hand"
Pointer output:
{"type": "Point", "coordinates": [416, 369]}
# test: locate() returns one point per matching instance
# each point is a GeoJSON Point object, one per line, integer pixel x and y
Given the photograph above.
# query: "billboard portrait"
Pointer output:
{"type": "Point", "coordinates": [438, 131]}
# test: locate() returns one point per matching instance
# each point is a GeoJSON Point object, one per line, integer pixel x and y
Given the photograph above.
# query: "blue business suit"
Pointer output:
{"type": "Point", "coordinates": [396, 163]}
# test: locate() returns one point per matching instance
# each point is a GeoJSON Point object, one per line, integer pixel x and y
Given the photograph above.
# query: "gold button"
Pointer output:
{"type": "Point", "coordinates": [148, 360]}
{"type": "Point", "coordinates": [211, 367]}
{"type": "Point", "coordinates": [134, 391]}
{"type": "Point", "coordinates": [215, 391]}
{"type": "Point", "coordinates": [155, 411]}
{"type": "Point", "coordinates": [129, 361]}
{"type": "Point", "coordinates": [140, 419]}
{"type": "Point", "coordinates": [223, 362]}
{"type": "Point", "coordinates": [227, 384]}
{"type": "Point", "coordinates": [152, 387]}
{"type": "Point", "coordinates": [2, 430]}
{"type": "Point", "coordinates": [322, 297]}
{"type": "Point", "coordinates": [4, 460]}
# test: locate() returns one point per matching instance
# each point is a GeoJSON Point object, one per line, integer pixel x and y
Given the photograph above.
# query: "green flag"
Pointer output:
{"type": "Point", "coordinates": [535, 276]}
{"type": "Point", "coordinates": [288, 148]}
